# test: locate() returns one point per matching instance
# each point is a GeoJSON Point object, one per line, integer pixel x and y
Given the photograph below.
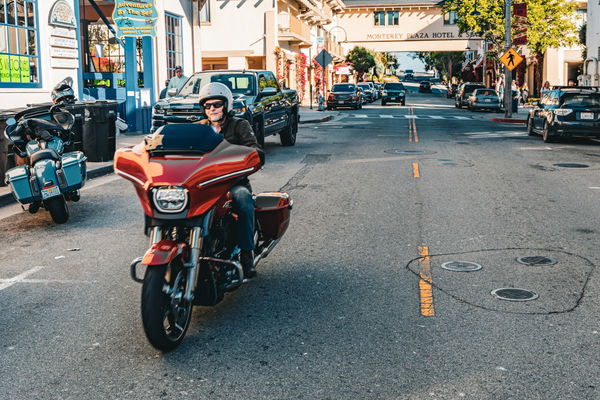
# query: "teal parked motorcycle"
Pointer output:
{"type": "Point", "coordinates": [49, 177]}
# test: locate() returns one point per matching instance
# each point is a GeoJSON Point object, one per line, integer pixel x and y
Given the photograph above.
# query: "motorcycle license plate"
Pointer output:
{"type": "Point", "coordinates": [50, 191]}
{"type": "Point", "coordinates": [587, 115]}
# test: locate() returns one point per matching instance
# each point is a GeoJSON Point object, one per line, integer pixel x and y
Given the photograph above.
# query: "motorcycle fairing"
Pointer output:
{"type": "Point", "coordinates": [207, 176]}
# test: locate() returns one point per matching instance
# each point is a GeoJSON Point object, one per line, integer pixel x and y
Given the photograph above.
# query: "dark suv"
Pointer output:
{"type": "Point", "coordinates": [464, 91]}
{"type": "Point", "coordinates": [566, 112]}
{"type": "Point", "coordinates": [393, 92]}
{"type": "Point", "coordinates": [344, 95]}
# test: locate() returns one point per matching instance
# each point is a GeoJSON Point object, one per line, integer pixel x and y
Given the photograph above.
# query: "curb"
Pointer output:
{"type": "Point", "coordinates": [314, 121]}
{"type": "Point", "coordinates": [8, 198]}
{"type": "Point", "coordinates": [514, 121]}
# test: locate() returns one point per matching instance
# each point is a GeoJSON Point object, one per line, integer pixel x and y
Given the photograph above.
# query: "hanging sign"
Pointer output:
{"type": "Point", "coordinates": [135, 18]}
{"type": "Point", "coordinates": [61, 14]}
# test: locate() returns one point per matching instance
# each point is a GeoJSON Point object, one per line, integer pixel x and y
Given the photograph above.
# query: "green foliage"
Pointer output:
{"type": "Point", "coordinates": [362, 60]}
{"type": "Point", "coordinates": [583, 40]}
{"type": "Point", "coordinates": [551, 23]}
{"type": "Point", "coordinates": [446, 62]}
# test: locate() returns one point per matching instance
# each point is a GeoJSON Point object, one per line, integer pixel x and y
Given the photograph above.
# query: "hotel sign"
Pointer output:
{"type": "Point", "coordinates": [419, 36]}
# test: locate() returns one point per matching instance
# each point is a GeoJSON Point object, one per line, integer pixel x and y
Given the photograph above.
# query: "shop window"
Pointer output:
{"type": "Point", "coordinates": [379, 18]}
{"type": "Point", "coordinates": [393, 17]}
{"type": "Point", "coordinates": [205, 12]}
{"type": "Point", "coordinates": [174, 43]}
{"type": "Point", "coordinates": [450, 18]}
{"type": "Point", "coordinates": [19, 58]}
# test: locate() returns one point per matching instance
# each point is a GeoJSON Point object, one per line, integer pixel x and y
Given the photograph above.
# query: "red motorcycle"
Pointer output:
{"type": "Point", "coordinates": [182, 175]}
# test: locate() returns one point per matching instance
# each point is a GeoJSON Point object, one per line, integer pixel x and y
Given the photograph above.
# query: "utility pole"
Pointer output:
{"type": "Point", "coordinates": [508, 72]}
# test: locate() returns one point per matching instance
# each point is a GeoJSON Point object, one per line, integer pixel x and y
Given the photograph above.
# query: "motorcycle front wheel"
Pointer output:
{"type": "Point", "coordinates": [57, 207]}
{"type": "Point", "coordinates": [166, 314]}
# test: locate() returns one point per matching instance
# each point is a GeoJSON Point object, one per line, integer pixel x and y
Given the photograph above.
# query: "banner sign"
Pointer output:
{"type": "Point", "coordinates": [135, 18]}
{"type": "Point", "coordinates": [520, 24]}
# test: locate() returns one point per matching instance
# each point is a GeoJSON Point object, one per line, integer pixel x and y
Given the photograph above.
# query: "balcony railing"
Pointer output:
{"type": "Point", "coordinates": [293, 29]}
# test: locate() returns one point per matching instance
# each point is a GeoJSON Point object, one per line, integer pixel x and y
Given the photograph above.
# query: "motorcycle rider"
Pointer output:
{"type": "Point", "coordinates": [217, 101]}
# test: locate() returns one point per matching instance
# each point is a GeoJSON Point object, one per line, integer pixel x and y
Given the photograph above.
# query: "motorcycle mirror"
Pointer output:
{"type": "Point", "coordinates": [64, 119]}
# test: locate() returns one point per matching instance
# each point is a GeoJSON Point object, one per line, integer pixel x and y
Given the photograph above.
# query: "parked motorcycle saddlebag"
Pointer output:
{"type": "Point", "coordinates": [74, 171]}
{"type": "Point", "coordinates": [23, 187]}
{"type": "Point", "coordinates": [273, 213]}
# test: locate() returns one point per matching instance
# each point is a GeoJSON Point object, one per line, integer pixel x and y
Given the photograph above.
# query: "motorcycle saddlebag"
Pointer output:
{"type": "Point", "coordinates": [273, 213]}
{"type": "Point", "coordinates": [74, 170]}
{"type": "Point", "coordinates": [24, 189]}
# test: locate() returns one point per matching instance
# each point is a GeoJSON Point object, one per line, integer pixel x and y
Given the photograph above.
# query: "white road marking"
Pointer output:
{"type": "Point", "coordinates": [361, 116]}
{"type": "Point", "coordinates": [411, 116]}
{"type": "Point", "coordinates": [386, 116]}
{"type": "Point", "coordinates": [594, 188]}
{"type": "Point", "coordinates": [437, 117]}
{"type": "Point", "coordinates": [6, 283]}
{"type": "Point", "coordinates": [459, 117]}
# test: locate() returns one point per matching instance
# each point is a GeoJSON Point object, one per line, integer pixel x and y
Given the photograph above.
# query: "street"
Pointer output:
{"type": "Point", "coordinates": [353, 303]}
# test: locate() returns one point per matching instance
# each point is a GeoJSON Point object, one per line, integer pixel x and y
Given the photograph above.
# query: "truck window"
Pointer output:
{"type": "Point", "coordinates": [271, 80]}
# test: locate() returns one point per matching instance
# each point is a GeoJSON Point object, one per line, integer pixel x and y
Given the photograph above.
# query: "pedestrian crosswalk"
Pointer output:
{"type": "Point", "coordinates": [495, 134]}
{"type": "Point", "coordinates": [408, 116]}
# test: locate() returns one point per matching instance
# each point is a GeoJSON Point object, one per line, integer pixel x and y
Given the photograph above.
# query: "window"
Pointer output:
{"type": "Point", "coordinates": [392, 17]}
{"type": "Point", "coordinates": [174, 43]}
{"type": "Point", "coordinates": [19, 58]}
{"type": "Point", "coordinates": [450, 18]}
{"type": "Point", "coordinates": [205, 12]}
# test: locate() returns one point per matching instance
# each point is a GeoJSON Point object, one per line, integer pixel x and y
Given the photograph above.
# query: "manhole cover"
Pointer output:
{"type": "Point", "coordinates": [536, 260]}
{"type": "Point", "coordinates": [571, 165]}
{"type": "Point", "coordinates": [514, 294]}
{"type": "Point", "coordinates": [461, 266]}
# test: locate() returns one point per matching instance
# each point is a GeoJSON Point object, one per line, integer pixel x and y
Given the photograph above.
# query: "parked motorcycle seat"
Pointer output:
{"type": "Point", "coordinates": [46, 154]}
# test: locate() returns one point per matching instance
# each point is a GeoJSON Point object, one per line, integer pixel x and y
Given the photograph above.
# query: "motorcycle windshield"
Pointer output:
{"type": "Point", "coordinates": [183, 139]}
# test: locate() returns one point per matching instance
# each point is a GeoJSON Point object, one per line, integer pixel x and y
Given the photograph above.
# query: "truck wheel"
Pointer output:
{"type": "Point", "coordinates": [259, 131]}
{"type": "Point", "coordinates": [288, 135]}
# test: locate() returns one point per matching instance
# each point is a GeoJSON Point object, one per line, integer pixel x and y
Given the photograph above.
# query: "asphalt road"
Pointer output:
{"type": "Point", "coordinates": [343, 308]}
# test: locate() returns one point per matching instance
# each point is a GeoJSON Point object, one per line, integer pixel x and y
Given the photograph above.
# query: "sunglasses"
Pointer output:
{"type": "Point", "coordinates": [216, 104]}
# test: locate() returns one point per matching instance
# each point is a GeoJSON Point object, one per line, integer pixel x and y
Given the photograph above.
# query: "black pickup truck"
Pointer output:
{"type": "Point", "coordinates": [257, 98]}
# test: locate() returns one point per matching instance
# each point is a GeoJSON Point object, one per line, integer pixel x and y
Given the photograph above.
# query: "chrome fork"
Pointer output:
{"type": "Point", "coordinates": [193, 264]}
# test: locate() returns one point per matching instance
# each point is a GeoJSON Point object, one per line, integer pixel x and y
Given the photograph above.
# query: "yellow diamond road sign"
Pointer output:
{"type": "Point", "coordinates": [511, 59]}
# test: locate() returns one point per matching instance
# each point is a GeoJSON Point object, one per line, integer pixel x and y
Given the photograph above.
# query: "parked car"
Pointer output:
{"type": "Point", "coordinates": [425, 87]}
{"type": "Point", "coordinates": [484, 99]}
{"type": "Point", "coordinates": [257, 97]}
{"type": "Point", "coordinates": [369, 90]}
{"type": "Point", "coordinates": [464, 91]}
{"type": "Point", "coordinates": [452, 90]}
{"type": "Point", "coordinates": [344, 95]}
{"type": "Point", "coordinates": [409, 75]}
{"type": "Point", "coordinates": [393, 92]}
{"type": "Point", "coordinates": [566, 112]}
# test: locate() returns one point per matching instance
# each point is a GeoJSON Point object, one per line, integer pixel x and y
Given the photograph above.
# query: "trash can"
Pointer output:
{"type": "Point", "coordinates": [78, 111]}
{"type": "Point", "coordinates": [99, 131]}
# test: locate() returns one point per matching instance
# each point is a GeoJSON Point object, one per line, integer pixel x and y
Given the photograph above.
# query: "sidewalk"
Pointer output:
{"type": "Point", "coordinates": [94, 169]}
{"type": "Point", "coordinates": [308, 116]}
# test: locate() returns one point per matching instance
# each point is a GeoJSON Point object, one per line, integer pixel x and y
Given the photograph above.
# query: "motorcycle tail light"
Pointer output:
{"type": "Point", "coordinates": [170, 199]}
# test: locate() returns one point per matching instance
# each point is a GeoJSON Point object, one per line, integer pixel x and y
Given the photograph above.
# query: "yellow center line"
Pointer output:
{"type": "Point", "coordinates": [416, 170]}
{"type": "Point", "coordinates": [425, 287]}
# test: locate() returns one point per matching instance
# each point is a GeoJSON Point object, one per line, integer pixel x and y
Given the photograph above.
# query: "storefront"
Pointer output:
{"type": "Point", "coordinates": [44, 41]}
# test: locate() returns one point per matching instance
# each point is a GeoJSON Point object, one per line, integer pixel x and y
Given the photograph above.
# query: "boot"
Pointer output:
{"type": "Point", "coordinates": [247, 261]}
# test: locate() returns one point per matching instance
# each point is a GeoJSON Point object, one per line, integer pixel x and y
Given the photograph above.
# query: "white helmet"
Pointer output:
{"type": "Point", "coordinates": [217, 90]}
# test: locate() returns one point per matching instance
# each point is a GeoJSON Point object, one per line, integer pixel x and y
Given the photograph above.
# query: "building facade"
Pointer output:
{"type": "Point", "coordinates": [45, 41]}
{"type": "Point", "coordinates": [591, 73]}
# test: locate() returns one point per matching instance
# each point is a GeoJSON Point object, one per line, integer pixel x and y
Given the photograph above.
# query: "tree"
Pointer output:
{"type": "Point", "coordinates": [361, 59]}
{"type": "Point", "coordinates": [445, 62]}
{"type": "Point", "coordinates": [550, 24]}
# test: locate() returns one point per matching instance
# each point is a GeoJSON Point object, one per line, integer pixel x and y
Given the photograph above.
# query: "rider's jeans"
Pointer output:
{"type": "Point", "coordinates": [243, 205]}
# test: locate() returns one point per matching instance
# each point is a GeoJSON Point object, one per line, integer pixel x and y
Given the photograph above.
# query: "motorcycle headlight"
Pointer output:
{"type": "Point", "coordinates": [170, 199]}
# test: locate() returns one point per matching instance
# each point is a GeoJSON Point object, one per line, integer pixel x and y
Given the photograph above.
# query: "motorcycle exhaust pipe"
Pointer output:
{"type": "Point", "coordinates": [265, 252]}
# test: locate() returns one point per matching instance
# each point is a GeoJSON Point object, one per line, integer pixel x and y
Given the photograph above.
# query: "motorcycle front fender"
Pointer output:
{"type": "Point", "coordinates": [164, 252]}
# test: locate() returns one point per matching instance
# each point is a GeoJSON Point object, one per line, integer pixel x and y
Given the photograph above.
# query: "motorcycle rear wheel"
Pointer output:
{"type": "Point", "coordinates": [166, 314]}
{"type": "Point", "coordinates": [57, 207]}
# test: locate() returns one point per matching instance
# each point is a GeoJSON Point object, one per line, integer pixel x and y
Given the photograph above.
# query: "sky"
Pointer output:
{"type": "Point", "coordinates": [406, 62]}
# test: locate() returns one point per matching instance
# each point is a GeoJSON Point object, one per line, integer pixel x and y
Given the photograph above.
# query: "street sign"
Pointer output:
{"type": "Point", "coordinates": [323, 58]}
{"type": "Point", "coordinates": [511, 59]}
